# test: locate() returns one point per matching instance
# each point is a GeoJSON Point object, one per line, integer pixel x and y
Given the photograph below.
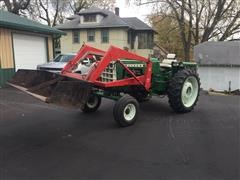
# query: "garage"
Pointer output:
{"type": "Point", "coordinates": [29, 51]}
{"type": "Point", "coordinates": [219, 65]}
{"type": "Point", "coordinates": [23, 44]}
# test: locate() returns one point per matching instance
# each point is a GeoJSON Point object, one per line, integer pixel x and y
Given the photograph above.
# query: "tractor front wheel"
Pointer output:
{"type": "Point", "coordinates": [125, 111]}
{"type": "Point", "coordinates": [183, 90]}
{"type": "Point", "coordinates": [92, 104]}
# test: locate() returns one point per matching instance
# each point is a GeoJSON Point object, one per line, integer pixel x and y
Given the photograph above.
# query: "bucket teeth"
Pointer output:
{"type": "Point", "coordinates": [57, 89]}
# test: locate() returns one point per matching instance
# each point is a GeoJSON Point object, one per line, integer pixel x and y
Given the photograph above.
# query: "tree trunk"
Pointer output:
{"type": "Point", "coordinates": [186, 48]}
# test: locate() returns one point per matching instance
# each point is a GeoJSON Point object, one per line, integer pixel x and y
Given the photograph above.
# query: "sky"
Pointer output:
{"type": "Point", "coordinates": [131, 10]}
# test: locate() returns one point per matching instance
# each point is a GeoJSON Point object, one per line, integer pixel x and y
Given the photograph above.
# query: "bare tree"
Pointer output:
{"type": "Point", "coordinates": [201, 20]}
{"type": "Point", "coordinates": [50, 12]}
{"type": "Point", "coordinates": [105, 4]}
{"type": "Point", "coordinates": [15, 6]}
{"type": "Point", "coordinates": [45, 9]}
{"type": "Point", "coordinates": [215, 19]}
{"type": "Point", "coordinates": [53, 12]}
{"type": "Point", "coordinates": [78, 5]}
{"type": "Point", "coordinates": [168, 36]}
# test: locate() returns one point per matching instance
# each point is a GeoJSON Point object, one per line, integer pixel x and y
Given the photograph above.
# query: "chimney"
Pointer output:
{"type": "Point", "coordinates": [117, 11]}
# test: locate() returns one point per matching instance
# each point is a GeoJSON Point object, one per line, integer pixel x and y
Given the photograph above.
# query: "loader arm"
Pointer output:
{"type": "Point", "coordinates": [113, 54]}
{"type": "Point", "coordinates": [82, 53]}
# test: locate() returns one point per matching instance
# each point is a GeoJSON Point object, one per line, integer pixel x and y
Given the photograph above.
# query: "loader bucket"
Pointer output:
{"type": "Point", "coordinates": [52, 88]}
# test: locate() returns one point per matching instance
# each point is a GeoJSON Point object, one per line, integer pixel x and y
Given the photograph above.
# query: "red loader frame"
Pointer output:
{"type": "Point", "coordinates": [113, 54]}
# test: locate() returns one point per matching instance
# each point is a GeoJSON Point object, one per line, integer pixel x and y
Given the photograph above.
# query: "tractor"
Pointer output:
{"type": "Point", "coordinates": [116, 74]}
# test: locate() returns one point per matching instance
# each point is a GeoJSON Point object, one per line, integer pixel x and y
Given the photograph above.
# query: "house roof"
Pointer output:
{"type": "Point", "coordinates": [136, 23]}
{"type": "Point", "coordinates": [14, 21]}
{"type": "Point", "coordinates": [109, 20]}
{"type": "Point", "coordinates": [222, 53]}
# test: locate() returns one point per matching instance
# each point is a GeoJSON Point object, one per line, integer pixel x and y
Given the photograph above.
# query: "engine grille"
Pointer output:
{"type": "Point", "coordinates": [110, 73]}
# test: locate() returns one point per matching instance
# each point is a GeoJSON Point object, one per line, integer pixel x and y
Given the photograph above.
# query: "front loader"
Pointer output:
{"type": "Point", "coordinates": [118, 75]}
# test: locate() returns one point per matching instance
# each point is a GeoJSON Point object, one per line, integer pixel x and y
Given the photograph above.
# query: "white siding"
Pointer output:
{"type": "Point", "coordinates": [29, 51]}
{"type": "Point", "coordinates": [218, 78]}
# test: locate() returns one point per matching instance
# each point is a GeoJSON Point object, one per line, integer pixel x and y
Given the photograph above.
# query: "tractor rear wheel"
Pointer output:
{"type": "Point", "coordinates": [126, 110]}
{"type": "Point", "coordinates": [183, 90]}
{"type": "Point", "coordinates": [92, 104]}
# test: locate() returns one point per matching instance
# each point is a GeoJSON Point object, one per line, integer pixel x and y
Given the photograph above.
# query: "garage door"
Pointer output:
{"type": "Point", "coordinates": [29, 51]}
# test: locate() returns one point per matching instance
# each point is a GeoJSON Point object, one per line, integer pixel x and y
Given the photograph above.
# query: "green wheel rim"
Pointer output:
{"type": "Point", "coordinates": [190, 91]}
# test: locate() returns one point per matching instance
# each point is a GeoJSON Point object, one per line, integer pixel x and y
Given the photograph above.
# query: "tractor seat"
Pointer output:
{"type": "Point", "coordinates": [168, 61]}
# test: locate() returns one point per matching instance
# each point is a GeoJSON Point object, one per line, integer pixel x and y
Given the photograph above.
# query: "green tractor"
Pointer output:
{"type": "Point", "coordinates": [118, 75]}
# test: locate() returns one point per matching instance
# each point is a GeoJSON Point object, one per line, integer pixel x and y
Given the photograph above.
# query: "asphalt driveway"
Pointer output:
{"type": "Point", "coordinates": [43, 141]}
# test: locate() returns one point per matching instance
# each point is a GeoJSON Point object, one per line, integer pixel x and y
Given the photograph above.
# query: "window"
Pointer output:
{"type": "Point", "coordinates": [129, 37]}
{"type": "Point", "coordinates": [145, 40]}
{"type": "Point", "coordinates": [63, 58]}
{"type": "Point", "coordinates": [90, 18]}
{"type": "Point", "coordinates": [91, 35]}
{"type": "Point", "coordinates": [76, 36]}
{"type": "Point", "coordinates": [105, 35]}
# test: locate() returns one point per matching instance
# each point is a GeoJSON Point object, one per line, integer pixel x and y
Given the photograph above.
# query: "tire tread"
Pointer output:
{"type": "Point", "coordinates": [175, 88]}
{"type": "Point", "coordinates": [119, 107]}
